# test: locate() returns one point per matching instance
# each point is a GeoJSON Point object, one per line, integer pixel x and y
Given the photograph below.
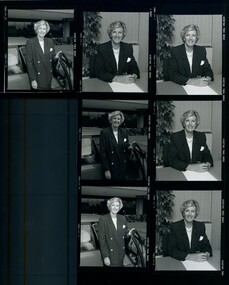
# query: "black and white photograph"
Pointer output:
{"type": "Point", "coordinates": [188, 230]}
{"type": "Point", "coordinates": [113, 226]}
{"type": "Point", "coordinates": [189, 54]}
{"type": "Point", "coordinates": [115, 52]}
{"type": "Point", "coordinates": [40, 50]}
{"type": "Point", "coordinates": [189, 140]}
{"type": "Point", "coordinates": [114, 140]}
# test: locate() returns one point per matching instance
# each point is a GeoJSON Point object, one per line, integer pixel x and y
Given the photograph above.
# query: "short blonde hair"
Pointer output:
{"type": "Point", "coordinates": [115, 25]}
{"type": "Point", "coordinates": [113, 200]}
{"type": "Point", "coordinates": [188, 114]}
{"type": "Point", "coordinates": [190, 203]}
{"type": "Point", "coordinates": [39, 23]}
{"type": "Point", "coordinates": [114, 114]}
{"type": "Point", "coordinates": [188, 28]}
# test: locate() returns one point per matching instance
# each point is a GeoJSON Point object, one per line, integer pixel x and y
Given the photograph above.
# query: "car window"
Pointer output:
{"type": "Point", "coordinates": [87, 238]}
{"type": "Point", "coordinates": [14, 62]}
{"type": "Point", "coordinates": [86, 147]}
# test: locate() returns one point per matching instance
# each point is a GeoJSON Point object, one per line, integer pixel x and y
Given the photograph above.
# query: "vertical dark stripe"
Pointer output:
{"type": "Point", "coordinates": [68, 194]}
{"type": "Point", "coordinates": [9, 192]}
{"type": "Point", "coordinates": [25, 145]}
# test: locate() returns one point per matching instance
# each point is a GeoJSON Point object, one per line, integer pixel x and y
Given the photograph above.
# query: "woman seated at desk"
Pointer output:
{"type": "Point", "coordinates": [115, 61]}
{"type": "Point", "coordinates": [188, 239]}
{"type": "Point", "coordinates": [188, 62]}
{"type": "Point", "coordinates": [188, 149]}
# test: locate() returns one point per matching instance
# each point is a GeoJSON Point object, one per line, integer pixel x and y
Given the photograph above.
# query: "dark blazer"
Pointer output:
{"type": "Point", "coordinates": [112, 241]}
{"type": "Point", "coordinates": [179, 154]}
{"type": "Point", "coordinates": [178, 245]}
{"type": "Point", "coordinates": [106, 67]}
{"type": "Point", "coordinates": [113, 155]}
{"type": "Point", "coordinates": [179, 70]}
{"type": "Point", "coordinates": [39, 64]}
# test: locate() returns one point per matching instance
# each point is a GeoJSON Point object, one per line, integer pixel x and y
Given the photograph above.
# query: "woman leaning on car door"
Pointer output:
{"type": "Point", "coordinates": [40, 54]}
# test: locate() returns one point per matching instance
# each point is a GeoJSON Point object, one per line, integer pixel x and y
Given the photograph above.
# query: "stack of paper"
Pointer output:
{"type": "Point", "coordinates": [194, 265]}
{"type": "Point", "coordinates": [198, 176]}
{"type": "Point", "coordinates": [194, 90]}
{"type": "Point", "coordinates": [121, 87]}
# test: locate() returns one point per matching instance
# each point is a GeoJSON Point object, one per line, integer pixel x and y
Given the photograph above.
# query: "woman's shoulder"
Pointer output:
{"type": "Point", "coordinates": [177, 48]}
{"type": "Point", "coordinates": [177, 134]}
{"type": "Point", "coordinates": [104, 45]}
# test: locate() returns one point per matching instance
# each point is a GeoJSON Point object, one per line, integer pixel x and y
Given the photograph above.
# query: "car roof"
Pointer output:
{"type": "Point", "coordinates": [16, 41]}
{"type": "Point", "coordinates": [90, 131]}
{"type": "Point", "coordinates": [89, 218]}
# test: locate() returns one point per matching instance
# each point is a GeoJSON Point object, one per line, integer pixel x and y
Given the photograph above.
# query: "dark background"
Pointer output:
{"type": "Point", "coordinates": [38, 178]}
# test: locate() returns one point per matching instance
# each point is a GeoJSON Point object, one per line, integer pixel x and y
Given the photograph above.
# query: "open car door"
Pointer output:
{"type": "Point", "coordinates": [135, 249]}
{"type": "Point", "coordinates": [62, 71]}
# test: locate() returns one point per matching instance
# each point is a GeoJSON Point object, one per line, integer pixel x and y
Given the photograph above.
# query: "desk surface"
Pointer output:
{"type": "Point", "coordinates": [171, 174]}
{"type": "Point", "coordinates": [170, 264]}
{"type": "Point", "coordinates": [97, 85]}
{"type": "Point", "coordinates": [171, 88]}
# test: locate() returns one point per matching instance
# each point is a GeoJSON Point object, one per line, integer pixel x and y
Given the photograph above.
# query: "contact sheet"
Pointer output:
{"type": "Point", "coordinates": [113, 142]}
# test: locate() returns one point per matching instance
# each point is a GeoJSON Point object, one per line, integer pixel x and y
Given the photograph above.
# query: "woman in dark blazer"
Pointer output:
{"type": "Point", "coordinates": [188, 149]}
{"type": "Point", "coordinates": [112, 234]}
{"type": "Point", "coordinates": [188, 62]}
{"type": "Point", "coordinates": [115, 61]}
{"type": "Point", "coordinates": [188, 239]}
{"type": "Point", "coordinates": [40, 54]}
{"type": "Point", "coordinates": [114, 143]}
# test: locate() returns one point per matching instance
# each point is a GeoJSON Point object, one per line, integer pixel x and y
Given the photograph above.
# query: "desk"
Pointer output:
{"type": "Point", "coordinates": [171, 88]}
{"type": "Point", "coordinates": [97, 85]}
{"type": "Point", "coordinates": [171, 174]}
{"type": "Point", "coordinates": [170, 264]}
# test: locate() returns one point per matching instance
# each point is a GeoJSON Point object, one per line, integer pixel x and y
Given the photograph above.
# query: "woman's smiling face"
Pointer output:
{"type": "Point", "coordinates": [117, 35]}
{"type": "Point", "coordinates": [42, 30]}
{"type": "Point", "coordinates": [116, 121]}
{"type": "Point", "coordinates": [189, 214]}
{"type": "Point", "coordinates": [115, 207]}
{"type": "Point", "coordinates": [190, 38]}
{"type": "Point", "coordinates": [190, 124]}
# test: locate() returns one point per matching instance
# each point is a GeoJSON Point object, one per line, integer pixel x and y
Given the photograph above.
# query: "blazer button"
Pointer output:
{"type": "Point", "coordinates": [111, 238]}
{"type": "Point", "coordinates": [38, 61]}
{"type": "Point", "coordinates": [124, 150]}
{"type": "Point", "coordinates": [50, 60]}
{"type": "Point", "coordinates": [111, 249]}
{"type": "Point", "coordinates": [112, 163]}
{"type": "Point", "coordinates": [112, 151]}
{"type": "Point", "coordinates": [38, 73]}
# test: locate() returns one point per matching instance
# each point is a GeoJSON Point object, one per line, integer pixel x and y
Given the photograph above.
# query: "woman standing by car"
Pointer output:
{"type": "Point", "coordinates": [188, 239]}
{"type": "Point", "coordinates": [188, 63]}
{"type": "Point", "coordinates": [40, 54]}
{"type": "Point", "coordinates": [114, 143]}
{"type": "Point", "coordinates": [115, 61]}
{"type": "Point", "coordinates": [112, 233]}
{"type": "Point", "coordinates": [188, 149]}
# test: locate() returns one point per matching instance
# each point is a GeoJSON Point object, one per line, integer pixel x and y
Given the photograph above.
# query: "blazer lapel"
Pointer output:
{"type": "Point", "coordinates": [112, 58]}
{"type": "Point", "coordinates": [185, 60]}
{"type": "Point", "coordinates": [195, 62]}
{"type": "Point", "coordinates": [185, 147]}
{"type": "Point", "coordinates": [122, 58]}
{"type": "Point", "coordinates": [195, 149]}
{"type": "Point", "coordinates": [114, 142]}
{"type": "Point", "coordinates": [185, 237]}
{"type": "Point", "coordinates": [195, 237]}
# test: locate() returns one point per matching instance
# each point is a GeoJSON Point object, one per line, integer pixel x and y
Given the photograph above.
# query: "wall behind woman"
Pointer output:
{"type": "Point", "coordinates": [137, 32]}
{"type": "Point", "coordinates": [210, 120]}
{"type": "Point", "coordinates": [210, 210]}
{"type": "Point", "coordinates": [210, 35]}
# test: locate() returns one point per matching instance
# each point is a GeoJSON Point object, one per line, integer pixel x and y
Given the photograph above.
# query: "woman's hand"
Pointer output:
{"type": "Point", "coordinates": [34, 84]}
{"type": "Point", "coordinates": [199, 167]}
{"type": "Point", "coordinates": [199, 257]}
{"type": "Point", "coordinates": [107, 261]}
{"type": "Point", "coordinates": [126, 79]}
{"type": "Point", "coordinates": [202, 81]}
{"type": "Point", "coordinates": [108, 174]}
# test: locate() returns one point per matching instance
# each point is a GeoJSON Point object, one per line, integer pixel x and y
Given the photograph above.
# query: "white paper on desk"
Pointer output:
{"type": "Point", "coordinates": [194, 265]}
{"type": "Point", "coordinates": [121, 87]}
{"type": "Point", "coordinates": [198, 176]}
{"type": "Point", "coordinates": [195, 90]}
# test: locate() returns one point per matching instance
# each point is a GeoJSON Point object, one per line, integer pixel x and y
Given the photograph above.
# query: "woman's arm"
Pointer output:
{"type": "Point", "coordinates": [103, 155]}
{"type": "Point", "coordinates": [102, 241]}
{"type": "Point", "coordinates": [173, 156]}
{"type": "Point", "coordinates": [29, 62]}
